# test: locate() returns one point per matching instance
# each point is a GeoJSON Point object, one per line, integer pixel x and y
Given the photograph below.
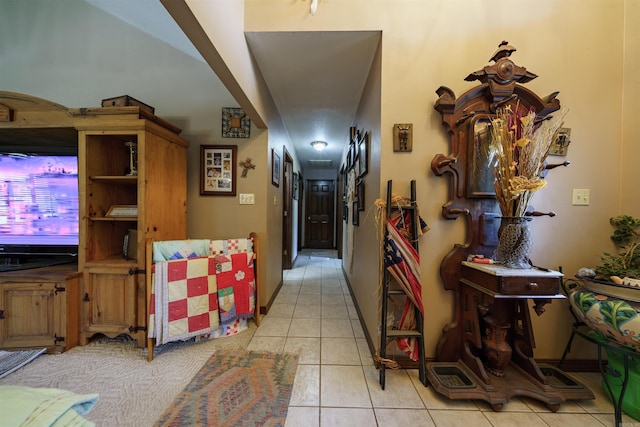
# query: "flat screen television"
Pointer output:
{"type": "Point", "coordinates": [39, 221]}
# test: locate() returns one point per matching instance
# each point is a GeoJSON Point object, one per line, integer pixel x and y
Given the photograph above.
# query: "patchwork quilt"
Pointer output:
{"type": "Point", "coordinates": [195, 295]}
{"type": "Point", "coordinates": [236, 281]}
{"type": "Point", "coordinates": [180, 249]}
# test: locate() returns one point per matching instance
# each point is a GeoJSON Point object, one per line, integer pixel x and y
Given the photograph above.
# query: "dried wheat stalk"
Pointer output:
{"type": "Point", "coordinates": [521, 148]}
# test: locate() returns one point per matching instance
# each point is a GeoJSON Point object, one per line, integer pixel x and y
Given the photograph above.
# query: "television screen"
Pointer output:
{"type": "Point", "coordinates": [38, 204]}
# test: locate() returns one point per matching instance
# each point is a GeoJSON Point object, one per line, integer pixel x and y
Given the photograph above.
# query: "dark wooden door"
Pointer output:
{"type": "Point", "coordinates": [339, 211]}
{"type": "Point", "coordinates": [287, 201]}
{"type": "Point", "coordinates": [320, 214]}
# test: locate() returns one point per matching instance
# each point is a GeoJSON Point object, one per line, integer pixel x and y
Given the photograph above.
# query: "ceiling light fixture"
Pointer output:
{"type": "Point", "coordinates": [319, 145]}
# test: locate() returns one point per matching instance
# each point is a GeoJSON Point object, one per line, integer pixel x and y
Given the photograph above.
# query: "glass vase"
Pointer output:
{"type": "Point", "coordinates": [514, 242]}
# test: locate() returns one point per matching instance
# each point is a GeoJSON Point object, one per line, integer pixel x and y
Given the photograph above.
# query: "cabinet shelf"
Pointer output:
{"type": "Point", "coordinates": [114, 218]}
{"type": "Point", "coordinates": [114, 261]}
{"type": "Point", "coordinates": [116, 179]}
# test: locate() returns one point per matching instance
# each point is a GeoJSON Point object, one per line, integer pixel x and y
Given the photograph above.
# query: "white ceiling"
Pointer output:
{"type": "Point", "coordinates": [316, 81]}
{"type": "Point", "coordinates": [315, 78]}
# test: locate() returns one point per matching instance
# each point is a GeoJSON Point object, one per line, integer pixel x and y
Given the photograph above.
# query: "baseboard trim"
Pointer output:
{"type": "Point", "coordinates": [264, 309]}
{"type": "Point", "coordinates": [570, 365]}
{"type": "Point", "coordinates": [372, 347]}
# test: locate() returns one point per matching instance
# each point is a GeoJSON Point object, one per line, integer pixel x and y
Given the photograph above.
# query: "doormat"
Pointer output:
{"type": "Point", "coordinates": [236, 388]}
{"type": "Point", "coordinates": [11, 361]}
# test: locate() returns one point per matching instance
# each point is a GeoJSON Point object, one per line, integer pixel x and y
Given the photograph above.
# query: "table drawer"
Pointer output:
{"type": "Point", "coordinates": [529, 285]}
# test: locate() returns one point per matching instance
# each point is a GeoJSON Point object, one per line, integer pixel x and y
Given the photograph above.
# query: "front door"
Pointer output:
{"type": "Point", "coordinates": [319, 222]}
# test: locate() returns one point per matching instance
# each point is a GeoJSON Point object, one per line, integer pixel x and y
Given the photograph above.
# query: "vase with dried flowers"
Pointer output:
{"type": "Point", "coordinates": [519, 147]}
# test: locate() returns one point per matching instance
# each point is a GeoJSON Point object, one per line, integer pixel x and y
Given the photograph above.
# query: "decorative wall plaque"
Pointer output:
{"type": "Point", "coordinates": [235, 123]}
{"type": "Point", "coordinates": [403, 137]}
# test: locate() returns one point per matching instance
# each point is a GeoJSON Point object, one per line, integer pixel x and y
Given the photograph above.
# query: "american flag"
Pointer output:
{"type": "Point", "coordinates": [402, 261]}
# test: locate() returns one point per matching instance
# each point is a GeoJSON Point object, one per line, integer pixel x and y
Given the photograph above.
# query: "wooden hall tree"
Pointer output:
{"type": "Point", "coordinates": [492, 318]}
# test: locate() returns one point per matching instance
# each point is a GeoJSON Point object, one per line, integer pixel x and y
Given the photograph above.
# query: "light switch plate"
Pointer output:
{"type": "Point", "coordinates": [247, 199]}
{"type": "Point", "coordinates": [580, 197]}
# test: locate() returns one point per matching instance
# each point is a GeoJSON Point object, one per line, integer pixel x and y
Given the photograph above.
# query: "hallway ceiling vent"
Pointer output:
{"type": "Point", "coordinates": [321, 163]}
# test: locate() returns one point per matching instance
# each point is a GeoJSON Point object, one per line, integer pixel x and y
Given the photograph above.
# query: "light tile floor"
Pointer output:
{"type": "Point", "coordinates": [337, 384]}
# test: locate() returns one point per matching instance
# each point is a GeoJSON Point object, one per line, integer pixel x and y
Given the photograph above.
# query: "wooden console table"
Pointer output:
{"type": "Point", "coordinates": [494, 295]}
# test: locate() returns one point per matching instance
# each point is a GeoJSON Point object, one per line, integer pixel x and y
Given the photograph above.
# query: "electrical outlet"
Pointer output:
{"type": "Point", "coordinates": [580, 197]}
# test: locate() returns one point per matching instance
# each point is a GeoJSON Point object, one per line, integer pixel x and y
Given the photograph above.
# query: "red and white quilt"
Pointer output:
{"type": "Point", "coordinates": [196, 296]}
{"type": "Point", "coordinates": [236, 286]}
{"type": "Point", "coordinates": [186, 299]}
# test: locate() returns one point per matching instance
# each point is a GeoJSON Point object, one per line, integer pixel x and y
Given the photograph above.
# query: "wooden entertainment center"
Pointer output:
{"type": "Point", "coordinates": [132, 187]}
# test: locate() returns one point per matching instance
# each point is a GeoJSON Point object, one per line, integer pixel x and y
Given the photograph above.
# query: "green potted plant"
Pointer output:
{"type": "Point", "coordinates": [626, 263]}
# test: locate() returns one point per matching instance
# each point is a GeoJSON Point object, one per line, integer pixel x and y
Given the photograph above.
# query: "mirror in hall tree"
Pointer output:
{"type": "Point", "coordinates": [480, 176]}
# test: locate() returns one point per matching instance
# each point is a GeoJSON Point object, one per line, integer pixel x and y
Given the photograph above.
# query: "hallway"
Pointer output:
{"type": "Point", "coordinates": [337, 384]}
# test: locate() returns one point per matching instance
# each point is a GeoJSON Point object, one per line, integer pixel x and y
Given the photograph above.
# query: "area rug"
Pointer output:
{"type": "Point", "coordinates": [11, 361]}
{"type": "Point", "coordinates": [236, 388]}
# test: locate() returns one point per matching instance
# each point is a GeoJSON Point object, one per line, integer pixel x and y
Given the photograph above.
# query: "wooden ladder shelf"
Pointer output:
{"type": "Point", "coordinates": [392, 289]}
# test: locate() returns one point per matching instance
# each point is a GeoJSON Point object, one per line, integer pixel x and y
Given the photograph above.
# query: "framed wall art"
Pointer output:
{"type": "Point", "coordinates": [355, 213]}
{"type": "Point", "coordinates": [218, 170]}
{"type": "Point", "coordinates": [345, 211]}
{"type": "Point", "coordinates": [354, 156]}
{"type": "Point", "coordinates": [363, 154]}
{"type": "Point", "coordinates": [360, 194]}
{"type": "Point", "coordinates": [275, 168]}
{"type": "Point", "coordinates": [235, 123]}
{"type": "Point", "coordinates": [295, 185]}
{"type": "Point", "coordinates": [560, 145]}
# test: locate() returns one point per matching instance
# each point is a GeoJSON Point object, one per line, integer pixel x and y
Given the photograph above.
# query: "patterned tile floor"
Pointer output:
{"type": "Point", "coordinates": [337, 384]}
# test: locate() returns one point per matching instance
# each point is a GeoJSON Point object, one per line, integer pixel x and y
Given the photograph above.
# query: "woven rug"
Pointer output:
{"type": "Point", "coordinates": [11, 361]}
{"type": "Point", "coordinates": [236, 388]}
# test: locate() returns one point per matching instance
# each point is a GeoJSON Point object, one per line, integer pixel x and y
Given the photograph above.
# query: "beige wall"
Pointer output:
{"type": "Point", "coordinates": [577, 48]}
{"type": "Point", "coordinates": [217, 31]}
{"type": "Point", "coordinates": [360, 258]}
{"type": "Point", "coordinates": [630, 155]}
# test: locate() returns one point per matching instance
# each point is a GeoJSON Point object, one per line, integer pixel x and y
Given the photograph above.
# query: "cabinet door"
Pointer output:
{"type": "Point", "coordinates": [32, 315]}
{"type": "Point", "coordinates": [109, 302]}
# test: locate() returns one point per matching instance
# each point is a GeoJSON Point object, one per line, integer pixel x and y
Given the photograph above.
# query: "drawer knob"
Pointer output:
{"type": "Point", "coordinates": [533, 286]}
